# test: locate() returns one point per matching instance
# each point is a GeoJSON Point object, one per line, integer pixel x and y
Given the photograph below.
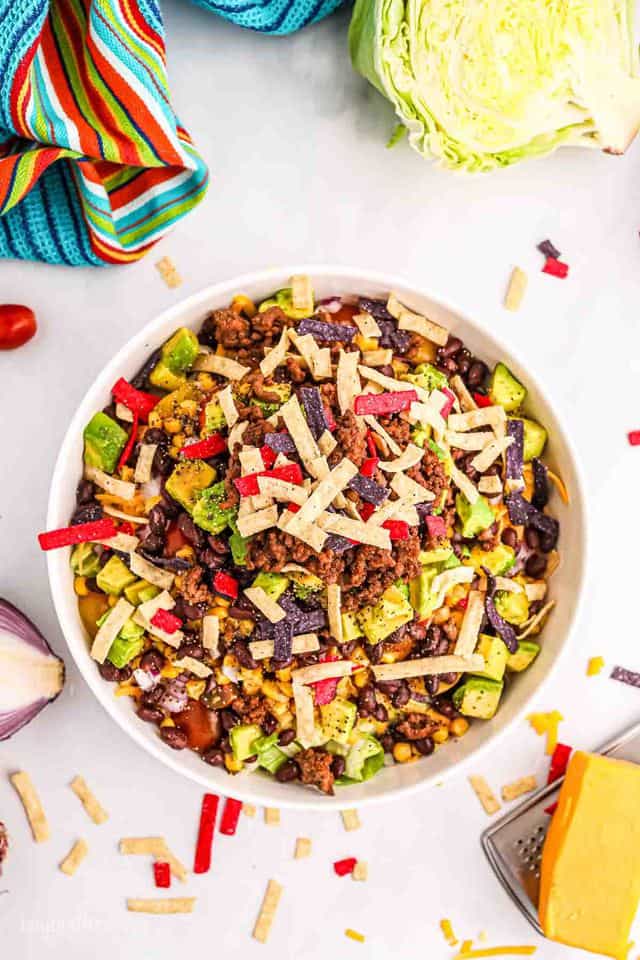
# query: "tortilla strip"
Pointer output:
{"type": "Point", "coordinates": [121, 515]}
{"type": "Point", "coordinates": [303, 848]}
{"type": "Point", "coordinates": [32, 805]}
{"type": "Point", "coordinates": [469, 441]}
{"type": "Point", "coordinates": [355, 530]}
{"type": "Point", "coordinates": [267, 913]}
{"type": "Point", "coordinates": [142, 472]}
{"type": "Point", "coordinates": [221, 366]}
{"type": "Point", "coordinates": [511, 791]}
{"type": "Point", "coordinates": [305, 716]}
{"type": "Point", "coordinates": [485, 795]}
{"type": "Point", "coordinates": [509, 585]}
{"type": "Point", "coordinates": [303, 643]}
{"type": "Point", "coordinates": [367, 325]}
{"type": "Point", "coordinates": [296, 424]}
{"type": "Point", "coordinates": [394, 509]}
{"type": "Point", "coordinates": [172, 639]}
{"type": "Point", "coordinates": [163, 601]}
{"type": "Point", "coordinates": [301, 292]}
{"type": "Point", "coordinates": [350, 819]}
{"type": "Point", "coordinates": [123, 413]}
{"type": "Point", "coordinates": [124, 542]}
{"type": "Point", "coordinates": [411, 456]}
{"type": "Point", "coordinates": [490, 484]}
{"type": "Point", "coordinates": [265, 604]}
{"type": "Point", "coordinates": [347, 379]}
{"type": "Point", "coordinates": [416, 322]}
{"type": "Point", "coordinates": [334, 611]}
{"type": "Point", "coordinates": [119, 488]}
{"type": "Point", "coordinates": [194, 666]}
{"type": "Point", "coordinates": [256, 522]}
{"type": "Point", "coordinates": [322, 364]}
{"type": "Point", "coordinates": [148, 571]}
{"type": "Point", "coordinates": [250, 460]}
{"type": "Point", "coordinates": [228, 405]}
{"type": "Point", "coordinates": [110, 629]}
{"type": "Point", "coordinates": [427, 413]}
{"type": "Point", "coordinates": [326, 491]}
{"type": "Point", "coordinates": [276, 355]}
{"type": "Point", "coordinates": [391, 384]}
{"type": "Point", "coordinates": [93, 808]}
{"type": "Point", "coordinates": [482, 417]}
{"type": "Point", "coordinates": [360, 871]}
{"type": "Point", "coordinates": [410, 490]}
{"type": "Point", "coordinates": [491, 453]}
{"type": "Point", "coordinates": [155, 847]}
{"type": "Point", "coordinates": [371, 421]}
{"type": "Point", "coordinates": [534, 623]}
{"type": "Point", "coordinates": [463, 484]}
{"type": "Point", "coordinates": [330, 670]}
{"type": "Point", "coordinates": [282, 490]}
{"type": "Point", "coordinates": [306, 347]}
{"type": "Point", "coordinates": [444, 581]}
{"type": "Point", "coordinates": [272, 816]}
{"type": "Point", "coordinates": [74, 858]}
{"type": "Point", "coordinates": [236, 433]}
{"type": "Point", "coordinates": [535, 591]}
{"type": "Point", "coordinates": [309, 533]}
{"type": "Point", "coordinates": [162, 906]}
{"type": "Point", "coordinates": [377, 358]}
{"type": "Point", "coordinates": [471, 624]}
{"type": "Point", "coordinates": [460, 389]}
{"type": "Point", "coordinates": [211, 635]}
{"type": "Point", "coordinates": [428, 667]}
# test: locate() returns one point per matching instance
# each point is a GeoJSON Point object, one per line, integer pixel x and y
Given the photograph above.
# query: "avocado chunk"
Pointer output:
{"type": "Point", "coordinates": [390, 612]}
{"type": "Point", "coordinates": [242, 739]}
{"type": "Point", "coordinates": [187, 481]}
{"type": "Point", "coordinates": [475, 517]}
{"type": "Point", "coordinates": [273, 584]}
{"type": "Point", "coordinates": [163, 378]}
{"type": "Point", "coordinates": [505, 390]}
{"type": "Point", "coordinates": [420, 433]}
{"type": "Point", "coordinates": [338, 719]}
{"type": "Point", "coordinates": [141, 591]}
{"type": "Point", "coordinates": [422, 600]}
{"type": "Point", "coordinates": [238, 545]}
{"type": "Point", "coordinates": [267, 304]}
{"type": "Point", "coordinates": [478, 697]}
{"type": "Point", "coordinates": [524, 656]}
{"type": "Point", "coordinates": [428, 377]}
{"type": "Point", "coordinates": [535, 439]}
{"type": "Point", "coordinates": [305, 585]}
{"type": "Point", "coordinates": [104, 441]}
{"type": "Point", "coordinates": [208, 511]}
{"type": "Point", "coordinates": [214, 418]}
{"type": "Point", "coordinates": [85, 562]}
{"type": "Point", "coordinates": [284, 300]}
{"type": "Point", "coordinates": [180, 351]}
{"type": "Point", "coordinates": [365, 758]}
{"type": "Point", "coordinates": [350, 627]}
{"type": "Point", "coordinates": [495, 654]}
{"type": "Point", "coordinates": [115, 576]}
{"type": "Point", "coordinates": [497, 561]}
{"type": "Point", "coordinates": [439, 555]}
{"type": "Point", "coordinates": [270, 756]}
{"type": "Point", "coordinates": [512, 607]}
{"type": "Point", "coordinates": [127, 645]}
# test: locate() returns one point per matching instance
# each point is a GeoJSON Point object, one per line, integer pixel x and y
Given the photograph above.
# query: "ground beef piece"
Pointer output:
{"type": "Point", "coordinates": [259, 389]}
{"type": "Point", "coordinates": [327, 565]}
{"type": "Point", "coordinates": [227, 327]}
{"type": "Point", "coordinates": [416, 727]}
{"type": "Point", "coordinates": [371, 570]}
{"type": "Point", "coordinates": [255, 433]}
{"type": "Point", "coordinates": [351, 438]}
{"type": "Point", "coordinates": [430, 473]}
{"type": "Point", "coordinates": [400, 430]}
{"type": "Point", "coordinates": [234, 470]}
{"type": "Point", "coordinates": [315, 768]}
{"type": "Point", "coordinates": [329, 394]}
{"type": "Point", "coordinates": [296, 369]}
{"type": "Point", "coordinates": [193, 590]}
{"type": "Point", "coordinates": [271, 549]}
{"type": "Point", "coordinates": [268, 325]}
{"type": "Point", "coordinates": [252, 709]}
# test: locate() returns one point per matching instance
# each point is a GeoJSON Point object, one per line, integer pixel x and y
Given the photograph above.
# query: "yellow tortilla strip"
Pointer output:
{"type": "Point", "coordinates": [350, 819]}
{"type": "Point", "coordinates": [416, 322]}
{"type": "Point", "coordinates": [460, 389]}
{"type": "Point", "coordinates": [491, 453]}
{"type": "Point", "coordinates": [393, 447]}
{"type": "Point", "coordinates": [301, 292]}
{"type": "Point", "coordinates": [355, 530]}
{"type": "Point", "coordinates": [303, 643]}
{"type": "Point", "coordinates": [516, 289]}
{"type": "Point", "coordinates": [511, 791]}
{"type": "Point", "coordinates": [272, 816]}
{"type": "Point", "coordinates": [255, 522]}
{"type": "Point", "coordinates": [118, 488]}
{"type": "Point", "coordinates": [463, 484]}
{"type": "Point", "coordinates": [172, 639]}
{"type": "Point", "coordinates": [265, 604]}
{"type": "Point", "coordinates": [148, 571]}
{"type": "Point", "coordinates": [123, 413]}
{"type": "Point", "coordinates": [221, 366]}
{"type": "Point", "coordinates": [509, 585]}
{"type": "Point", "coordinates": [88, 800]}
{"type": "Point", "coordinates": [250, 460]}
{"type": "Point", "coordinates": [360, 871]}
{"type": "Point", "coordinates": [196, 667]}
{"type": "Point", "coordinates": [169, 273]}
{"type": "Point", "coordinates": [306, 347]}
{"type": "Point", "coordinates": [228, 405]}
{"type": "Point", "coordinates": [268, 910]}
{"type": "Point", "coordinates": [110, 629]}
{"type": "Point", "coordinates": [377, 358]}
{"type": "Point", "coordinates": [309, 533]}
{"type": "Point", "coordinates": [485, 795]}
{"type": "Point", "coordinates": [444, 581]}
{"type": "Point", "coordinates": [322, 364]}
{"type": "Point", "coordinates": [303, 848]}
{"type": "Point", "coordinates": [534, 624]}
{"type": "Point", "coordinates": [367, 325]}
{"type": "Point", "coordinates": [410, 490]}
{"type": "Point", "coordinates": [347, 379]}
{"type": "Point", "coordinates": [327, 443]}
{"type": "Point", "coordinates": [471, 624]}
{"type": "Point", "coordinates": [121, 515]}
{"type": "Point", "coordinates": [74, 858]}
{"type": "Point", "coordinates": [154, 847]}
{"type": "Point", "coordinates": [161, 906]}
{"type": "Point", "coordinates": [428, 667]}
{"type": "Point", "coordinates": [482, 417]}
{"type": "Point", "coordinates": [535, 591]}
{"type": "Point", "coordinates": [334, 612]}
{"type": "Point", "coordinates": [276, 355]}
{"type": "Point", "coordinates": [32, 805]}
{"type": "Point", "coordinates": [249, 810]}
{"type": "Point", "coordinates": [411, 456]}
{"type": "Point", "coordinates": [469, 441]}
{"type": "Point", "coordinates": [142, 472]}
{"type": "Point", "coordinates": [211, 635]}
{"type": "Point", "coordinates": [305, 715]}
{"type": "Point", "coordinates": [401, 509]}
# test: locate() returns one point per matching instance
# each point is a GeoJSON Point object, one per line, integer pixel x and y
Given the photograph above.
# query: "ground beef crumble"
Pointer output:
{"type": "Point", "coordinates": [315, 769]}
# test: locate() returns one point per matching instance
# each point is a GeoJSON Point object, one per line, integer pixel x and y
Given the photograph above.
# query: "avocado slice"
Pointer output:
{"type": "Point", "coordinates": [141, 591]}
{"type": "Point", "coordinates": [350, 628]}
{"type": "Point", "coordinates": [497, 561]}
{"type": "Point", "coordinates": [439, 555]}
{"type": "Point", "coordinates": [267, 304]}
{"type": "Point", "coordinates": [428, 377]}
{"type": "Point", "coordinates": [365, 758]}
{"type": "Point", "coordinates": [214, 418]}
{"type": "Point", "coordinates": [115, 576]}
{"type": "Point", "coordinates": [270, 756]}
{"type": "Point", "coordinates": [85, 562]}
{"type": "Point", "coordinates": [505, 389]}
{"type": "Point", "coordinates": [420, 433]}
{"type": "Point", "coordinates": [127, 645]}
{"type": "Point", "coordinates": [187, 481]}
{"type": "Point", "coordinates": [305, 584]}
{"type": "Point", "coordinates": [495, 654]}
{"type": "Point", "coordinates": [163, 378]}
{"type": "Point", "coordinates": [524, 656]}
{"type": "Point", "coordinates": [273, 584]}
{"type": "Point", "coordinates": [535, 439]}
{"type": "Point", "coordinates": [104, 441]}
{"type": "Point", "coordinates": [478, 697]}
{"type": "Point", "coordinates": [475, 517]}
{"type": "Point", "coordinates": [422, 600]}
{"type": "Point", "coordinates": [208, 512]}
{"type": "Point", "coordinates": [390, 612]}
{"type": "Point", "coordinates": [512, 607]}
{"type": "Point", "coordinates": [180, 351]}
{"type": "Point", "coordinates": [284, 300]}
{"type": "Point", "coordinates": [338, 719]}
{"type": "Point", "coordinates": [242, 739]}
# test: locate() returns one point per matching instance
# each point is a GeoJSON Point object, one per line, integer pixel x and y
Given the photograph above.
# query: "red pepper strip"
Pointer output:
{"type": "Point", "coordinates": [80, 533]}
{"type": "Point", "coordinates": [556, 268]}
{"type": "Point", "coordinates": [344, 867]}
{"type": "Point", "coordinates": [369, 466]}
{"type": "Point", "coordinates": [135, 400]}
{"type": "Point", "coordinates": [398, 529]}
{"type": "Point", "coordinates": [128, 447]}
{"type": "Point", "coordinates": [324, 691]}
{"type": "Point", "coordinates": [202, 859]}
{"type": "Point", "coordinates": [268, 456]}
{"type": "Point", "coordinates": [203, 449]}
{"type": "Point", "coordinates": [371, 444]}
{"type": "Point", "coordinates": [162, 873]}
{"type": "Point", "coordinates": [366, 510]}
{"type": "Point", "coordinates": [248, 486]}
{"type": "Point", "coordinates": [384, 403]}
{"type": "Point", "coordinates": [226, 584]}
{"type": "Point", "coordinates": [634, 438]}
{"type": "Point", "coordinates": [436, 526]}
{"type": "Point", "coordinates": [482, 400]}
{"type": "Point", "coordinates": [328, 415]}
{"type": "Point", "coordinates": [230, 816]}
{"type": "Point", "coordinates": [127, 527]}
{"type": "Point", "coordinates": [448, 406]}
{"type": "Point", "coordinates": [559, 761]}
{"type": "Point", "coordinates": [167, 621]}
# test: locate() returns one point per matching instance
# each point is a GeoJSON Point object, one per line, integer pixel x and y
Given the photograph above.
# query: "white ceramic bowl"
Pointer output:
{"type": "Point", "coordinates": [566, 586]}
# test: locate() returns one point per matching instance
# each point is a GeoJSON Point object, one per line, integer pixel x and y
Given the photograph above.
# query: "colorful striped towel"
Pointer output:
{"type": "Point", "coordinates": [94, 165]}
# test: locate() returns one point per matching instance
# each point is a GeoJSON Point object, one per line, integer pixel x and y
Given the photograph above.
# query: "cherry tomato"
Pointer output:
{"type": "Point", "coordinates": [17, 325]}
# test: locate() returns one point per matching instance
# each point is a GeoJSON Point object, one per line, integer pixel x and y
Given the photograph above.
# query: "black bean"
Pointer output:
{"type": "Point", "coordinates": [210, 559]}
{"type": "Point", "coordinates": [189, 611]}
{"type": "Point", "coordinates": [194, 650]}
{"type": "Point", "coordinates": [417, 630]}
{"type": "Point", "coordinates": [431, 684]}
{"type": "Point", "coordinates": [450, 366]}
{"type": "Point", "coordinates": [532, 538]}
{"type": "Point", "coordinates": [162, 462]}
{"type": "Point", "coordinates": [243, 655]}
{"type": "Point", "coordinates": [548, 542]}
{"type": "Point", "coordinates": [87, 513]}
{"type": "Point", "coordinates": [158, 520]}
{"type": "Point", "coordinates": [85, 492]}
{"type": "Point", "coordinates": [347, 648]}
{"type": "Point", "coordinates": [425, 746]}
{"type": "Point", "coordinates": [375, 652]}
{"type": "Point", "coordinates": [109, 672]}
{"type": "Point", "coordinates": [477, 373]}
{"type": "Point", "coordinates": [214, 757]}
{"type": "Point", "coordinates": [510, 537]}
{"type": "Point", "coordinates": [153, 543]}
{"type": "Point", "coordinates": [338, 765]}
{"type": "Point", "coordinates": [446, 708]}
{"type": "Point", "coordinates": [380, 713]}
{"type": "Point", "coordinates": [285, 737]}
{"type": "Point", "coordinates": [152, 661]}
{"type": "Point", "coordinates": [401, 697]}
{"type": "Point", "coordinates": [281, 664]}
{"type": "Point", "coordinates": [388, 686]}
{"type": "Point", "coordinates": [387, 742]}
{"type": "Point", "coordinates": [156, 435]}
{"type": "Point", "coordinates": [190, 532]}
{"type": "Point", "coordinates": [150, 714]}
{"type": "Point", "coordinates": [451, 347]}
{"type": "Point", "coordinates": [218, 545]}
{"type": "Point", "coordinates": [174, 737]}
{"type": "Point", "coordinates": [367, 700]}
{"type": "Point", "coordinates": [141, 379]}
{"type": "Point", "coordinates": [229, 719]}
{"type": "Point", "coordinates": [269, 724]}
{"type": "Point", "coordinates": [287, 772]}
{"type": "Point", "coordinates": [463, 365]}
{"type": "Point", "coordinates": [535, 565]}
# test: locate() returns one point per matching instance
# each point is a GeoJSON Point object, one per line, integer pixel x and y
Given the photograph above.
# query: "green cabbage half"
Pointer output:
{"type": "Point", "coordinates": [482, 84]}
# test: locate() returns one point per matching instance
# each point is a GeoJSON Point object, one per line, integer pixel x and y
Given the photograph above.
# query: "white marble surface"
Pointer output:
{"type": "Point", "coordinates": [295, 143]}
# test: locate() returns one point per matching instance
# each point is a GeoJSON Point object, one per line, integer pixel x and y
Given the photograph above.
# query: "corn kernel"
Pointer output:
{"type": "Point", "coordinates": [440, 735]}
{"type": "Point", "coordinates": [459, 727]}
{"type": "Point", "coordinates": [126, 472]}
{"type": "Point", "coordinates": [284, 674]}
{"type": "Point", "coordinates": [179, 441]}
{"type": "Point", "coordinates": [112, 600]}
{"type": "Point", "coordinates": [279, 709]}
{"type": "Point", "coordinates": [245, 628]}
{"type": "Point", "coordinates": [361, 678]}
{"type": "Point", "coordinates": [222, 602]}
{"type": "Point", "coordinates": [243, 304]}
{"type": "Point", "coordinates": [286, 720]}
{"type": "Point", "coordinates": [150, 503]}
{"type": "Point", "coordinates": [219, 612]}
{"type": "Point", "coordinates": [365, 343]}
{"type": "Point", "coordinates": [169, 673]}
{"type": "Point", "coordinates": [401, 752]}
{"type": "Point", "coordinates": [190, 407]}
{"type": "Point", "coordinates": [80, 586]}
{"type": "Point", "coordinates": [155, 420]}
{"type": "Point", "coordinates": [195, 689]}
{"type": "Point", "coordinates": [286, 688]}
{"type": "Point", "coordinates": [232, 765]}
{"type": "Point", "coordinates": [272, 691]}
{"type": "Point", "coordinates": [167, 722]}
{"type": "Point", "coordinates": [186, 553]}
{"type": "Point", "coordinates": [172, 425]}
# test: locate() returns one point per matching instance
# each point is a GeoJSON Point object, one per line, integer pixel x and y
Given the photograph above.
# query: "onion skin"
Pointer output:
{"type": "Point", "coordinates": [47, 671]}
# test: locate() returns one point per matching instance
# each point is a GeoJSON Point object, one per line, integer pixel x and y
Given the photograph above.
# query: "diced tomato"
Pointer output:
{"type": "Point", "coordinates": [175, 540]}
{"type": "Point", "coordinates": [366, 510]}
{"type": "Point", "coordinates": [398, 529]}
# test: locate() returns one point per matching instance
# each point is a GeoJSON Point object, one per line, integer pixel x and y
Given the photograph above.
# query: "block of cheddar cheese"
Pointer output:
{"type": "Point", "coordinates": [590, 874]}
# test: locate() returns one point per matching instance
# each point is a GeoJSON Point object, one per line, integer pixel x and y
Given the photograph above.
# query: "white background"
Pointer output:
{"type": "Point", "coordinates": [296, 147]}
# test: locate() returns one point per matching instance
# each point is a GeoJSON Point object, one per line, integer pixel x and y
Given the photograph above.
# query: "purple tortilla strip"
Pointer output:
{"type": "Point", "coordinates": [376, 308]}
{"type": "Point", "coordinates": [327, 332]}
{"type": "Point", "coordinates": [280, 443]}
{"type": "Point", "coordinates": [314, 411]}
{"type": "Point", "coordinates": [514, 454]}
{"type": "Point", "coordinates": [626, 676]}
{"type": "Point", "coordinates": [540, 484]}
{"type": "Point", "coordinates": [369, 490]}
{"type": "Point", "coordinates": [523, 512]}
{"type": "Point", "coordinates": [282, 639]}
{"type": "Point", "coordinates": [499, 624]}
{"type": "Point", "coordinates": [424, 509]}
{"type": "Point", "coordinates": [337, 543]}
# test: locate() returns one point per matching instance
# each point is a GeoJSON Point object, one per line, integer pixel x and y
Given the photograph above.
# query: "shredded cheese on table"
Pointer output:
{"type": "Point", "coordinates": [547, 723]}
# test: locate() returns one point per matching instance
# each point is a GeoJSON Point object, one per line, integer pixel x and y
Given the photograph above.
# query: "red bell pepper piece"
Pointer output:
{"type": "Point", "coordinates": [230, 817]}
{"type": "Point", "coordinates": [203, 449]}
{"type": "Point", "coordinates": [447, 407]}
{"type": "Point", "coordinates": [128, 447]}
{"type": "Point", "coordinates": [384, 403]}
{"type": "Point", "coordinates": [202, 859]}
{"type": "Point", "coordinates": [248, 486]}
{"type": "Point", "coordinates": [135, 400]}
{"type": "Point", "coordinates": [324, 691]}
{"type": "Point", "coordinates": [162, 873]}
{"type": "Point", "coordinates": [366, 510]}
{"type": "Point", "coordinates": [167, 621]}
{"type": "Point", "coordinates": [80, 533]}
{"type": "Point", "coordinates": [369, 466]}
{"type": "Point", "coordinates": [482, 400]}
{"type": "Point", "coordinates": [371, 445]}
{"type": "Point", "coordinates": [398, 529]}
{"type": "Point", "coordinates": [268, 456]}
{"type": "Point", "coordinates": [127, 527]}
{"type": "Point", "coordinates": [555, 267]}
{"type": "Point", "coordinates": [559, 761]}
{"type": "Point", "coordinates": [634, 438]}
{"type": "Point", "coordinates": [226, 584]}
{"type": "Point", "coordinates": [436, 526]}
{"type": "Point", "coordinates": [345, 867]}
{"type": "Point", "coordinates": [293, 507]}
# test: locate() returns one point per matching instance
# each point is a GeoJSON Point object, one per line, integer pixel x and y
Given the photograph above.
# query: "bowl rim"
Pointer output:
{"type": "Point", "coordinates": [129, 723]}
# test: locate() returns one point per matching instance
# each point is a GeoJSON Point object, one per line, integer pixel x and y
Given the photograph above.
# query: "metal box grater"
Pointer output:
{"type": "Point", "coordinates": [513, 844]}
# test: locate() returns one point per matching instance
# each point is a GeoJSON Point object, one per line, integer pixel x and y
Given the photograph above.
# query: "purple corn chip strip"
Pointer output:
{"type": "Point", "coordinates": [314, 410]}
{"type": "Point", "coordinates": [514, 454]}
{"type": "Point", "coordinates": [282, 640]}
{"type": "Point", "coordinates": [626, 676]}
{"type": "Point", "coordinates": [337, 543]}
{"type": "Point", "coordinates": [519, 508]}
{"type": "Point", "coordinates": [280, 443]}
{"type": "Point", "coordinates": [369, 490]}
{"type": "Point", "coordinates": [310, 620]}
{"type": "Point", "coordinates": [540, 484]}
{"type": "Point", "coordinates": [377, 308]}
{"type": "Point", "coordinates": [502, 628]}
{"type": "Point", "coordinates": [328, 332]}
{"type": "Point", "coordinates": [549, 250]}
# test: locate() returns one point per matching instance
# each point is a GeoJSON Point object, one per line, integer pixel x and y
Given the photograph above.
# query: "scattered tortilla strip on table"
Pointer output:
{"type": "Point", "coordinates": [350, 819]}
{"type": "Point", "coordinates": [516, 289]}
{"type": "Point", "coordinates": [74, 858]}
{"type": "Point", "coordinates": [360, 871]}
{"type": "Point", "coordinates": [416, 322]}
{"type": "Point", "coordinates": [272, 816]}
{"type": "Point", "coordinates": [428, 666]}
{"type": "Point", "coordinates": [154, 847]}
{"type": "Point", "coordinates": [511, 791]}
{"type": "Point", "coordinates": [447, 931]}
{"type": "Point", "coordinates": [249, 810]}
{"type": "Point", "coordinates": [354, 935]}
{"type": "Point", "coordinates": [110, 629]}
{"type": "Point", "coordinates": [162, 906]}
{"type": "Point", "coordinates": [169, 272]}
{"type": "Point", "coordinates": [268, 910]}
{"type": "Point", "coordinates": [485, 795]}
{"type": "Point", "coordinates": [32, 806]}
{"type": "Point", "coordinates": [93, 808]}
{"type": "Point", "coordinates": [221, 366]}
